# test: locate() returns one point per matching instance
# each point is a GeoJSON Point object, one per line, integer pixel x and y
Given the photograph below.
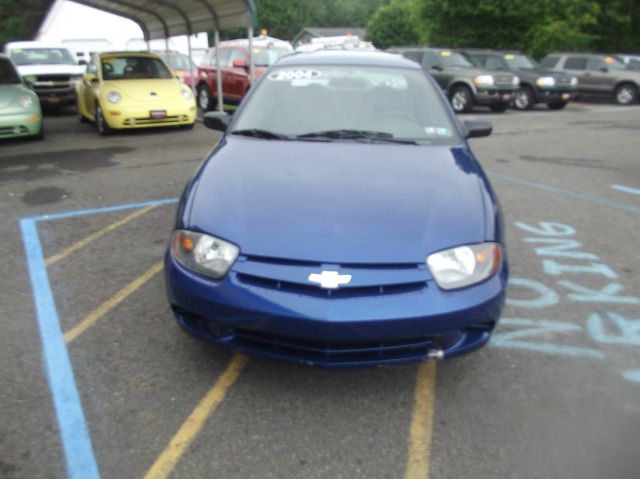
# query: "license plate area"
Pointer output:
{"type": "Point", "coordinates": [157, 114]}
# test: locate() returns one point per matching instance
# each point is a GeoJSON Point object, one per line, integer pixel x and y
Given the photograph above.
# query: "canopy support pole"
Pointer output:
{"type": "Point", "coordinates": [218, 71]}
{"type": "Point", "coordinates": [192, 71]}
{"type": "Point", "coordinates": [252, 69]}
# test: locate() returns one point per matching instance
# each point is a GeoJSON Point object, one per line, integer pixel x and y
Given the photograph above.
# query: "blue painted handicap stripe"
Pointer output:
{"type": "Point", "coordinates": [78, 451]}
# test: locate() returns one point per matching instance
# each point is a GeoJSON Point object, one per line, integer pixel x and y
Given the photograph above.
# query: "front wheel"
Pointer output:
{"type": "Point", "coordinates": [499, 107]}
{"type": "Point", "coordinates": [626, 94]}
{"type": "Point", "coordinates": [102, 127]}
{"type": "Point", "coordinates": [557, 105]}
{"type": "Point", "coordinates": [461, 99]}
{"type": "Point", "coordinates": [205, 101]}
{"type": "Point", "coordinates": [524, 99]}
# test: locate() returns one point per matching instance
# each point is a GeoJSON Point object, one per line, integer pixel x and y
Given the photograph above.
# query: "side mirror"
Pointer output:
{"type": "Point", "coordinates": [90, 77]}
{"type": "Point", "coordinates": [477, 128]}
{"type": "Point", "coordinates": [217, 120]}
{"type": "Point", "coordinates": [179, 76]}
{"type": "Point", "coordinates": [437, 67]}
{"type": "Point", "coordinates": [239, 63]}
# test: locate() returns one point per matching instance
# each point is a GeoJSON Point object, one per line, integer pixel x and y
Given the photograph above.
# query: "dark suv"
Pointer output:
{"type": "Point", "coordinates": [465, 83]}
{"type": "Point", "coordinates": [598, 75]}
{"type": "Point", "coordinates": [537, 85]}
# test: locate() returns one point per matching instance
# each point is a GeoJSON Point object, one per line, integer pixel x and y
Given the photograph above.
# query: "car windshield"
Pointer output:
{"type": "Point", "coordinates": [133, 68]}
{"type": "Point", "coordinates": [520, 62]}
{"type": "Point", "coordinates": [42, 56]}
{"type": "Point", "coordinates": [8, 74]}
{"type": "Point", "coordinates": [352, 103]}
{"type": "Point", "coordinates": [455, 60]}
{"type": "Point", "coordinates": [265, 57]}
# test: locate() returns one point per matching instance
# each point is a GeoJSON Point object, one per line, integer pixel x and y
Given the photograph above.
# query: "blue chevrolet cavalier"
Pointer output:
{"type": "Point", "coordinates": [342, 220]}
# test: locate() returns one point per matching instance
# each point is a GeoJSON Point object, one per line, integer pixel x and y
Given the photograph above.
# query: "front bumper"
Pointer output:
{"type": "Point", "coordinates": [124, 117]}
{"type": "Point", "coordinates": [491, 96]}
{"type": "Point", "coordinates": [350, 331]}
{"type": "Point", "coordinates": [554, 95]}
{"type": "Point", "coordinates": [17, 125]}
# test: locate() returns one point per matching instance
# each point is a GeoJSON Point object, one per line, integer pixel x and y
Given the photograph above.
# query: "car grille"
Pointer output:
{"type": "Point", "coordinates": [13, 130]}
{"type": "Point", "coordinates": [565, 81]}
{"type": "Point", "coordinates": [52, 83]}
{"type": "Point", "coordinates": [367, 279]}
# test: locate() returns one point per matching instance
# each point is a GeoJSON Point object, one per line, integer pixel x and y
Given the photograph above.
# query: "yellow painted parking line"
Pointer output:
{"type": "Point", "coordinates": [422, 423]}
{"type": "Point", "coordinates": [111, 303]}
{"type": "Point", "coordinates": [176, 448]}
{"type": "Point", "coordinates": [98, 234]}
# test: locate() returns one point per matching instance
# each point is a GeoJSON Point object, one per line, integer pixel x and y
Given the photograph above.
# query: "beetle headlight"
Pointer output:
{"type": "Point", "coordinates": [26, 101]}
{"type": "Point", "coordinates": [113, 97]}
{"type": "Point", "coordinates": [464, 265]}
{"type": "Point", "coordinates": [186, 93]}
{"type": "Point", "coordinates": [205, 254]}
{"type": "Point", "coordinates": [484, 80]}
{"type": "Point", "coordinates": [546, 81]}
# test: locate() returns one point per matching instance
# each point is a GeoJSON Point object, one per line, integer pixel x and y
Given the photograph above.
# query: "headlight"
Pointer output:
{"type": "Point", "coordinates": [546, 81]}
{"type": "Point", "coordinates": [465, 265]}
{"type": "Point", "coordinates": [516, 81]}
{"type": "Point", "coordinates": [26, 101]}
{"type": "Point", "coordinates": [484, 80]}
{"type": "Point", "coordinates": [574, 81]}
{"type": "Point", "coordinates": [113, 97]}
{"type": "Point", "coordinates": [203, 253]}
{"type": "Point", "coordinates": [186, 93]}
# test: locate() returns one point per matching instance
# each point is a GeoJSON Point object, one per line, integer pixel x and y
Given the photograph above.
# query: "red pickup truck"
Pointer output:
{"type": "Point", "coordinates": [234, 66]}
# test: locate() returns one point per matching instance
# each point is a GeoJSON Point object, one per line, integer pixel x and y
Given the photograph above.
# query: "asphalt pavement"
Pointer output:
{"type": "Point", "coordinates": [99, 381]}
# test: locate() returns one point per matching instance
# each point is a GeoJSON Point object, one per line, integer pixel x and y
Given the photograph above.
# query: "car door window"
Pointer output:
{"type": "Point", "coordinates": [595, 64]}
{"type": "Point", "coordinates": [413, 55]}
{"type": "Point", "coordinates": [430, 59]}
{"type": "Point", "coordinates": [225, 55]}
{"type": "Point", "coordinates": [576, 63]}
{"type": "Point", "coordinates": [235, 54]}
{"type": "Point", "coordinates": [550, 62]}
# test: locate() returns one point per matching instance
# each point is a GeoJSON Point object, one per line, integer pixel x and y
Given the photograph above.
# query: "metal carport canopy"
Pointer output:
{"type": "Point", "coordinates": [166, 18]}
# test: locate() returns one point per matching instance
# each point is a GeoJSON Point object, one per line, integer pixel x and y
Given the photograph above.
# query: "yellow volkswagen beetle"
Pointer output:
{"type": "Point", "coordinates": [125, 90]}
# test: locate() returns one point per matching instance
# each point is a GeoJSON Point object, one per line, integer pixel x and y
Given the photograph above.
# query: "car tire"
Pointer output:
{"type": "Point", "coordinates": [499, 107]}
{"type": "Point", "coordinates": [205, 100]}
{"type": "Point", "coordinates": [626, 94]}
{"type": "Point", "coordinates": [557, 105]}
{"type": "Point", "coordinates": [524, 99]}
{"type": "Point", "coordinates": [461, 99]}
{"type": "Point", "coordinates": [102, 127]}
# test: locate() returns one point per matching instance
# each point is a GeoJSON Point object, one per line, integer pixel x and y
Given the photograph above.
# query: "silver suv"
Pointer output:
{"type": "Point", "coordinates": [598, 75]}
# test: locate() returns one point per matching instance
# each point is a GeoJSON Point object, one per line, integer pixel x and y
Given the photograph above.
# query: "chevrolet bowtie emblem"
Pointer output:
{"type": "Point", "coordinates": [330, 279]}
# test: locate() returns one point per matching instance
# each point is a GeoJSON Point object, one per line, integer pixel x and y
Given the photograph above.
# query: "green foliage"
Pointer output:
{"type": "Point", "coordinates": [20, 19]}
{"type": "Point", "coordinates": [394, 24]}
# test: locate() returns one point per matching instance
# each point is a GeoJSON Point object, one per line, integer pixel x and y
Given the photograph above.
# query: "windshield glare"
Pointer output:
{"type": "Point", "coordinates": [42, 56]}
{"type": "Point", "coordinates": [520, 62]}
{"type": "Point", "coordinates": [8, 74]}
{"type": "Point", "coordinates": [134, 68]}
{"type": "Point", "coordinates": [399, 103]}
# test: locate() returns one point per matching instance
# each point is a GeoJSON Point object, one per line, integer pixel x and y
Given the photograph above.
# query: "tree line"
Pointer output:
{"type": "Point", "coordinates": [534, 26]}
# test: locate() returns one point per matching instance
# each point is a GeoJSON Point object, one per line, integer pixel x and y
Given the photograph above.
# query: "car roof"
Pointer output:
{"type": "Point", "coordinates": [11, 45]}
{"type": "Point", "coordinates": [484, 51]}
{"type": "Point", "coordinates": [348, 57]}
{"type": "Point", "coordinates": [129, 53]}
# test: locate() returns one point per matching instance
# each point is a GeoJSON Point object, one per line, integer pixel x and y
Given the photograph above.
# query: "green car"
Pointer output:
{"type": "Point", "coordinates": [20, 113]}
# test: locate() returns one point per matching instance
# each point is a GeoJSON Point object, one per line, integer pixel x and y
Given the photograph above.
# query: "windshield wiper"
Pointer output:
{"type": "Point", "coordinates": [368, 135]}
{"type": "Point", "coordinates": [258, 133]}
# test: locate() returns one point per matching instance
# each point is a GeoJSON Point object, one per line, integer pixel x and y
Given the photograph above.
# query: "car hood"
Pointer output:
{"type": "Point", "coordinates": [9, 95]}
{"type": "Point", "coordinates": [338, 202]}
{"type": "Point", "coordinates": [145, 90]}
{"type": "Point", "coordinates": [75, 70]}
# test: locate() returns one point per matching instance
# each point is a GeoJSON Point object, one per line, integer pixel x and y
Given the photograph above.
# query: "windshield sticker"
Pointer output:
{"type": "Point", "coordinates": [509, 56]}
{"type": "Point", "coordinates": [297, 74]}
{"type": "Point", "coordinates": [445, 54]}
{"type": "Point", "coordinates": [609, 60]}
{"type": "Point", "coordinates": [437, 132]}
